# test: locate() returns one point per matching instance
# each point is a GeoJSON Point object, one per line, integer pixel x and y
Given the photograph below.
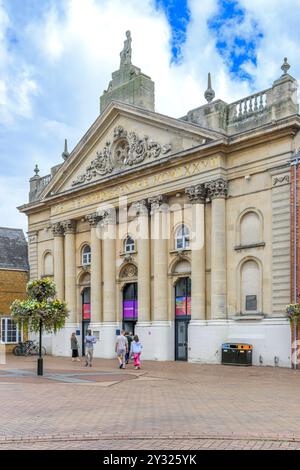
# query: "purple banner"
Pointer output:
{"type": "Point", "coordinates": [130, 309]}
{"type": "Point", "coordinates": [183, 306]}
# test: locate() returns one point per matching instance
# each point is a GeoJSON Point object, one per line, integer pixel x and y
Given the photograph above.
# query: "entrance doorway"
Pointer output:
{"type": "Point", "coordinates": [182, 317]}
{"type": "Point", "coordinates": [86, 314]}
{"type": "Point", "coordinates": [130, 306]}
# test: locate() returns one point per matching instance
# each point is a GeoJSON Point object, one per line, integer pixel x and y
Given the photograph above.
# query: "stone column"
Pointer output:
{"type": "Point", "coordinates": [58, 252]}
{"type": "Point", "coordinates": [144, 269]}
{"type": "Point", "coordinates": [33, 254]}
{"type": "Point", "coordinates": [160, 262]}
{"type": "Point", "coordinates": [96, 277]}
{"type": "Point", "coordinates": [109, 271]}
{"type": "Point", "coordinates": [217, 191]}
{"type": "Point", "coordinates": [197, 196]}
{"type": "Point", "coordinates": [70, 269]}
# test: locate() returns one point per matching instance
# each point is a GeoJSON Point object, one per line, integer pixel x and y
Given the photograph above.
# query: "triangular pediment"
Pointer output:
{"type": "Point", "coordinates": [122, 139]}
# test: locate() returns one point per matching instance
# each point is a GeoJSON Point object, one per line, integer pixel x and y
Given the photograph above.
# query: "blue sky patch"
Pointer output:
{"type": "Point", "coordinates": [178, 15]}
{"type": "Point", "coordinates": [236, 36]}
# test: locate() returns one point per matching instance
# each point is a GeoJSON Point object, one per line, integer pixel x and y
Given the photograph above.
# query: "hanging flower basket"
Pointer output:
{"type": "Point", "coordinates": [41, 306]}
{"type": "Point", "coordinates": [41, 289]}
{"type": "Point", "coordinates": [293, 312]}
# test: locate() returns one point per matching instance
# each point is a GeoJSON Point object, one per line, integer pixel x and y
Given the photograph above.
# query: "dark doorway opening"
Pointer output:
{"type": "Point", "coordinates": [130, 306]}
{"type": "Point", "coordinates": [182, 317]}
{"type": "Point", "coordinates": [86, 314]}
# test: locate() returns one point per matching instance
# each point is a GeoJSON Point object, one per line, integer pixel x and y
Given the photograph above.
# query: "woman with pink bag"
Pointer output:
{"type": "Point", "coordinates": [136, 350]}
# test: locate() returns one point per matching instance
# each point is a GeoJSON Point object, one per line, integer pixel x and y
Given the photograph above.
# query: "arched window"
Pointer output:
{"type": "Point", "coordinates": [129, 245]}
{"type": "Point", "coordinates": [86, 255]}
{"type": "Point", "coordinates": [182, 238]}
{"type": "Point", "coordinates": [48, 264]}
{"type": "Point", "coordinates": [250, 287]}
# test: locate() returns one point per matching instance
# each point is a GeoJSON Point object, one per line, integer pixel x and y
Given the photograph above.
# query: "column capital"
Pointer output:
{"type": "Point", "coordinates": [156, 201]}
{"type": "Point", "coordinates": [109, 216]}
{"type": "Point", "coordinates": [93, 219]}
{"type": "Point", "coordinates": [197, 193]}
{"type": "Point", "coordinates": [69, 226]}
{"type": "Point", "coordinates": [57, 229]}
{"type": "Point", "coordinates": [140, 207]}
{"type": "Point", "coordinates": [217, 188]}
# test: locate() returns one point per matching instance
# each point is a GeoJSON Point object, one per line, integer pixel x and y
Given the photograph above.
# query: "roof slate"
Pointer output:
{"type": "Point", "coordinates": [13, 249]}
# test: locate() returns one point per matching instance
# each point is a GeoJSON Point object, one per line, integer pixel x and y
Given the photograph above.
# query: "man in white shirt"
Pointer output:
{"type": "Point", "coordinates": [121, 349]}
{"type": "Point", "coordinates": [90, 340]}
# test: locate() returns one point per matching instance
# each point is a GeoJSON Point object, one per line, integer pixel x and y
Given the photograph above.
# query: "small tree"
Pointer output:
{"type": "Point", "coordinates": [41, 311]}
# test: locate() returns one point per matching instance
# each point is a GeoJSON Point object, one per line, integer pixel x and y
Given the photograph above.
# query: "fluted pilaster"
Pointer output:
{"type": "Point", "coordinates": [144, 270]}
{"type": "Point", "coordinates": [197, 196]}
{"type": "Point", "coordinates": [70, 269]}
{"type": "Point", "coordinates": [160, 266]}
{"type": "Point", "coordinates": [96, 272]}
{"type": "Point", "coordinates": [58, 252]}
{"type": "Point", "coordinates": [217, 191]}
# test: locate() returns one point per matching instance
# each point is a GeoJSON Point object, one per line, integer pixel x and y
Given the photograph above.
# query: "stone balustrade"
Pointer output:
{"type": "Point", "coordinates": [37, 185]}
{"type": "Point", "coordinates": [249, 105]}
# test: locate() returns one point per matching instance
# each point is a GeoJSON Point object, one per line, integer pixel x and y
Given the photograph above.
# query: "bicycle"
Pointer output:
{"type": "Point", "coordinates": [34, 349]}
{"type": "Point", "coordinates": [22, 348]}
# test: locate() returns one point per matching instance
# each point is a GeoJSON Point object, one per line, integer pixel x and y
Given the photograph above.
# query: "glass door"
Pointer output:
{"type": "Point", "coordinates": [182, 317]}
{"type": "Point", "coordinates": [86, 314]}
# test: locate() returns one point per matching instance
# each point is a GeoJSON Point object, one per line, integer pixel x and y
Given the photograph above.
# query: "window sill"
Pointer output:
{"type": "Point", "coordinates": [248, 316]}
{"type": "Point", "coordinates": [176, 252]}
{"type": "Point", "coordinates": [128, 253]}
{"type": "Point", "coordinates": [251, 245]}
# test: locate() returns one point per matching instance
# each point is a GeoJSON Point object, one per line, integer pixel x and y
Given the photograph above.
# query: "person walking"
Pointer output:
{"type": "Point", "coordinates": [74, 347]}
{"type": "Point", "coordinates": [89, 340]}
{"type": "Point", "coordinates": [129, 340]}
{"type": "Point", "coordinates": [136, 350]}
{"type": "Point", "coordinates": [121, 349]}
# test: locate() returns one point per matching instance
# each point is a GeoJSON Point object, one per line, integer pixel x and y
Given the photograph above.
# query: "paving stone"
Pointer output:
{"type": "Point", "coordinates": [189, 406]}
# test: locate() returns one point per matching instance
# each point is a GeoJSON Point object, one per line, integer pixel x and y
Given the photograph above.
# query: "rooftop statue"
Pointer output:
{"type": "Point", "coordinates": [125, 54]}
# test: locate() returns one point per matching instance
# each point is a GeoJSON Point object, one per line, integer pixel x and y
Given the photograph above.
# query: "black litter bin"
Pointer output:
{"type": "Point", "coordinates": [237, 354]}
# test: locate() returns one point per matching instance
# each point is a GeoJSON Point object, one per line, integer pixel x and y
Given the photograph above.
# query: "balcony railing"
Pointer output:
{"type": "Point", "coordinates": [248, 106]}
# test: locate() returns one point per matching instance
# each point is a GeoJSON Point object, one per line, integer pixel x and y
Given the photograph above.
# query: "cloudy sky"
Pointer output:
{"type": "Point", "coordinates": [56, 57]}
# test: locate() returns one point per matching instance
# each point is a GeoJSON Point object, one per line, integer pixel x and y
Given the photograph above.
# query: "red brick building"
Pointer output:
{"type": "Point", "coordinates": [295, 248]}
{"type": "Point", "coordinates": [13, 279]}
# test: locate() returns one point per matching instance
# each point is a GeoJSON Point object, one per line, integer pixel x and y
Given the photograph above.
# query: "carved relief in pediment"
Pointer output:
{"type": "Point", "coordinates": [127, 149]}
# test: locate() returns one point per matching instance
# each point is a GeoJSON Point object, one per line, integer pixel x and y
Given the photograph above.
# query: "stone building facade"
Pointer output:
{"type": "Point", "coordinates": [178, 229]}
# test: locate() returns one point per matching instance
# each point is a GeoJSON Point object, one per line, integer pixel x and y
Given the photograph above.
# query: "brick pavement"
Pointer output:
{"type": "Point", "coordinates": [165, 404]}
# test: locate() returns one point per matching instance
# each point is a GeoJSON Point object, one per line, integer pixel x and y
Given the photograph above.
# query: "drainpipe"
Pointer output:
{"type": "Point", "coordinates": [295, 163]}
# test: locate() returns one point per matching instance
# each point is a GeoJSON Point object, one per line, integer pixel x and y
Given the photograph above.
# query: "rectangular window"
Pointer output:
{"type": "Point", "coordinates": [86, 259]}
{"type": "Point", "coordinates": [251, 302]}
{"type": "Point", "coordinates": [10, 331]}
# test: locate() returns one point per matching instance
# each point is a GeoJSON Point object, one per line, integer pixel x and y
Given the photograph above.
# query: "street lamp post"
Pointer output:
{"type": "Point", "coordinates": [40, 358]}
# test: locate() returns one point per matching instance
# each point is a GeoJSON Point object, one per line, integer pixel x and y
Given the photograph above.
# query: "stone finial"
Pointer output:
{"type": "Point", "coordinates": [125, 54]}
{"type": "Point", "coordinates": [285, 66]}
{"type": "Point", "coordinates": [36, 171]}
{"type": "Point", "coordinates": [209, 93]}
{"type": "Point", "coordinates": [65, 153]}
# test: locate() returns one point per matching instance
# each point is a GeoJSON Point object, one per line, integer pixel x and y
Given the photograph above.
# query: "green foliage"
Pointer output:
{"type": "Point", "coordinates": [41, 289]}
{"type": "Point", "coordinates": [40, 305]}
{"type": "Point", "coordinates": [293, 312]}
